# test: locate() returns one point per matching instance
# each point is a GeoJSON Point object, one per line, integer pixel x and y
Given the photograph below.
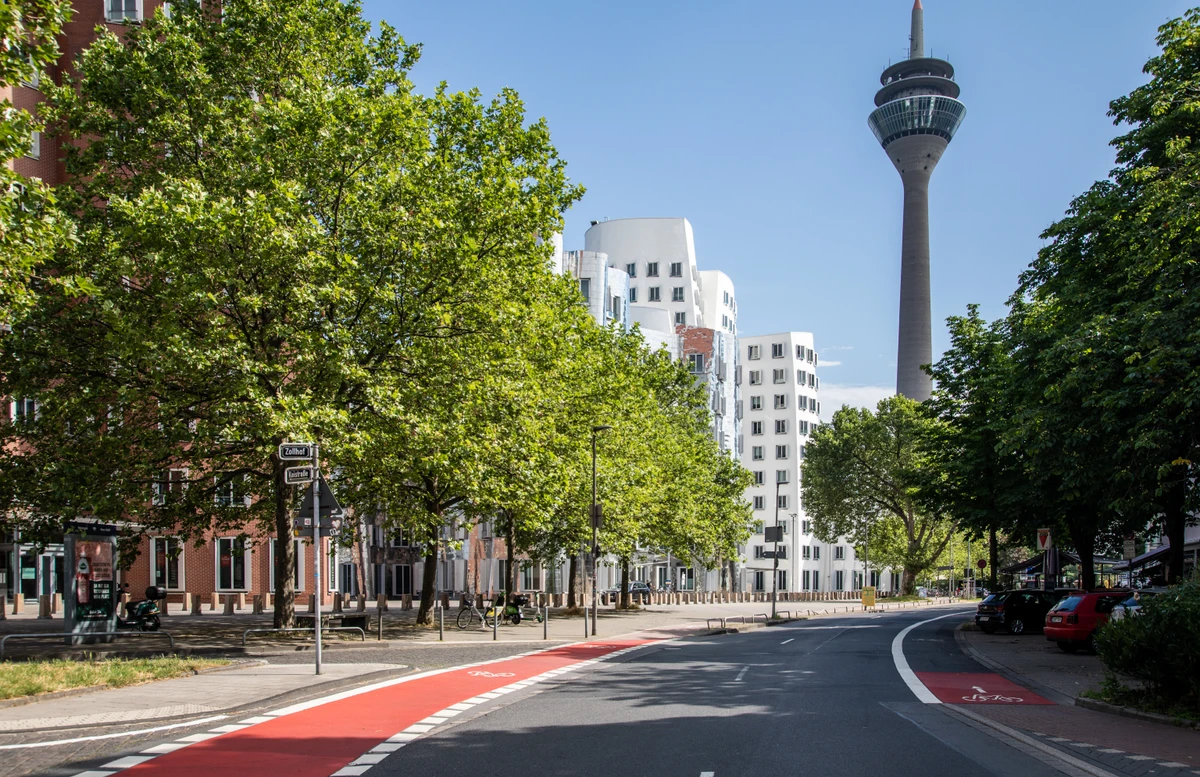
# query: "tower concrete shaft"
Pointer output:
{"type": "Point", "coordinates": [917, 113]}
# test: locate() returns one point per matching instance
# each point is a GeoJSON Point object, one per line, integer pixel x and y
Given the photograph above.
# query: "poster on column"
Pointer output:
{"type": "Point", "coordinates": [91, 593]}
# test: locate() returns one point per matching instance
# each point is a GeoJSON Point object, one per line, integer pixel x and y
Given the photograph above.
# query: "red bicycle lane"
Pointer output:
{"type": "Point", "coordinates": [348, 732]}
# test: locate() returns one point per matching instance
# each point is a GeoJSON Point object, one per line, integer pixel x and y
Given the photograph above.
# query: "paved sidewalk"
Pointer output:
{"type": "Point", "coordinates": [208, 693]}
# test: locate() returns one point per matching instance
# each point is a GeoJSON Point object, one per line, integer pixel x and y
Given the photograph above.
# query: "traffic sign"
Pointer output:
{"type": "Point", "coordinates": [1130, 549]}
{"type": "Point", "coordinates": [597, 514]}
{"type": "Point", "coordinates": [329, 503]}
{"type": "Point", "coordinates": [294, 476]}
{"type": "Point", "coordinates": [773, 534]}
{"type": "Point", "coordinates": [981, 563]}
{"type": "Point", "coordinates": [1043, 539]}
{"type": "Point", "coordinates": [296, 451]}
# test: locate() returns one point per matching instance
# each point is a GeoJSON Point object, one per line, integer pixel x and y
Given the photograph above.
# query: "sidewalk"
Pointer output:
{"type": "Point", "coordinates": [208, 693]}
{"type": "Point", "coordinates": [1124, 745]}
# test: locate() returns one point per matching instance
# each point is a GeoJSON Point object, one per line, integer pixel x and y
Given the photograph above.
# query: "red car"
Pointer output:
{"type": "Point", "coordinates": [1072, 623]}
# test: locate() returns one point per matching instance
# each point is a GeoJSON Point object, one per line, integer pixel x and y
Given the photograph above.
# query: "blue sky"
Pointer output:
{"type": "Point", "coordinates": [749, 119]}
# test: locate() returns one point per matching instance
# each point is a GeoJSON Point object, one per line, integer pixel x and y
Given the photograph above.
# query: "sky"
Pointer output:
{"type": "Point", "coordinates": [750, 120]}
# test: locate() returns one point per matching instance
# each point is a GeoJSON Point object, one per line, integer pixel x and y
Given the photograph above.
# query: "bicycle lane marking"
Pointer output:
{"type": "Point", "coordinates": [957, 687]}
{"type": "Point", "coordinates": [346, 733]}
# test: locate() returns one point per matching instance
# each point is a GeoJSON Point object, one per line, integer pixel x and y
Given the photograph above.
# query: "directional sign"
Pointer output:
{"type": "Point", "coordinates": [329, 503]}
{"type": "Point", "coordinates": [296, 451]}
{"type": "Point", "coordinates": [773, 534]}
{"type": "Point", "coordinates": [297, 475]}
{"type": "Point", "coordinates": [1043, 539]}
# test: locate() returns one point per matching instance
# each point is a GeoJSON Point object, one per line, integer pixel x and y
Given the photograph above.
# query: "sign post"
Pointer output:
{"type": "Point", "coordinates": [298, 451]}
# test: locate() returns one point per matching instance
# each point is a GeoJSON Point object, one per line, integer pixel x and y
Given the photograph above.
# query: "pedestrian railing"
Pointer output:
{"type": "Point", "coordinates": [248, 632]}
{"type": "Point", "coordinates": [63, 634]}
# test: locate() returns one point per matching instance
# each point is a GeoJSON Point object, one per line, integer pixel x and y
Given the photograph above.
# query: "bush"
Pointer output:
{"type": "Point", "coordinates": [1159, 648]}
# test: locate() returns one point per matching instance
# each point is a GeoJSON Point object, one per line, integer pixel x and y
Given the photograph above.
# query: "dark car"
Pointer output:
{"type": "Point", "coordinates": [1014, 611]}
{"type": "Point", "coordinates": [638, 590]}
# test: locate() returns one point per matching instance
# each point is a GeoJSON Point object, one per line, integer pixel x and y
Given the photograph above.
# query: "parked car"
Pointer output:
{"type": "Point", "coordinates": [1014, 611]}
{"type": "Point", "coordinates": [1072, 623]}
{"type": "Point", "coordinates": [638, 589]}
{"type": "Point", "coordinates": [1132, 604]}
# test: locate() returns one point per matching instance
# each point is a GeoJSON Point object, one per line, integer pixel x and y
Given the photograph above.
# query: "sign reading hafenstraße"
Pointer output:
{"type": "Point", "coordinates": [295, 451]}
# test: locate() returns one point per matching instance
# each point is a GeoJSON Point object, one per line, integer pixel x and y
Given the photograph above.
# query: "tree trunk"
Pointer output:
{"type": "Point", "coordinates": [1175, 518]}
{"type": "Point", "coordinates": [285, 557]}
{"type": "Point", "coordinates": [1084, 537]}
{"type": "Point", "coordinates": [429, 576]}
{"type": "Point", "coordinates": [908, 582]}
{"type": "Point", "coordinates": [572, 574]}
{"type": "Point", "coordinates": [510, 573]}
{"type": "Point", "coordinates": [624, 584]}
{"type": "Point", "coordinates": [993, 561]}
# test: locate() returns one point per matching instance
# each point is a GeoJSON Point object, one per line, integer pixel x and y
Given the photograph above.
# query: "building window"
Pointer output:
{"type": "Point", "coordinates": [233, 564]}
{"type": "Point", "coordinates": [806, 527]}
{"type": "Point", "coordinates": [779, 376]}
{"type": "Point", "coordinates": [35, 146]}
{"type": "Point", "coordinates": [800, 352]}
{"type": "Point", "coordinates": [24, 410]}
{"type": "Point", "coordinates": [231, 493]}
{"type": "Point", "coordinates": [758, 551]}
{"type": "Point", "coordinates": [807, 580]}
{"type": "Point", "coordinates": [759, 477]}
{"type": "Point", "coordinates": [297, 556]}
{"type": "Point", "coordinates": [839, 552]}
{"type": "Point", "coordinates": [806, 553]}
{"type": "Point", "coordinates": [631, 269]}
{"type": "Point", "coordinates": [804, 427]}
{"type": "Point", "coordinates": [801, 402]}
{"type": "Point", "coordinates": [756, 453]}
{"type": "Point", "coordinates": [781, 476]}
{"type": "Point", "coordinates": [677, 294]}
{"type": "Point", "coordinates": [633, 294]}
{"type": "Point", "coordinates": [585, 288]}
{"type": "Point", "coordinates": [676, 269]}
{"type": "Point", "coordinates": [816, 555]}
{"type": "Point", "coordinates": [696, 363]}
{"type": "Point", "coordinates": [839, 580]}
{"type": "Point", "coordinates": [123, 10]}
{"type": "Point", "coordinates": [760, 580]}
{"type": "Point", "coordinates": [756, 427]}
{"type": "Point", "coordinates": [780, 401]}
{"type": "Point", "coordinates": [174, 481]}
{"type": "Point", "coordinates": [782, 501]}
{"type": "Point", "coordinates": [166, 563]}
{"type": "Point", "coordinates": [776, 350]}
{"type": "Point", "coordinates": [781, 451]}
{"type": "Point", "coordinates": [681, 318]}
{"type": "Point", "coordinates": [654, 294]}
{"type": "Point", "coordinates": [726, 298]}
{"type": "Point", "coordinates": [760, 503]}
{"type": "Point", "coordinates": [755, 377]}
{"type": "Point", "coordinates": [781, 426]}
{"type": "Point", "coordinates": [756, 403]}
{"type": "Point", "coordinates": [651, 269]}
{"type": "Point", "coordinates": [754, 352]}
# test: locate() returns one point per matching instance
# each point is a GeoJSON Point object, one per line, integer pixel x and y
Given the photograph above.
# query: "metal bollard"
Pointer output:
{"type": "Point", "coordinates": [441, 623]}
{"type": "Point", "coordinates": [496, 621]}
{"type": "Point", "coordinates": [379, 637]}
{"type": "Point", "coordinates": [546, 622]}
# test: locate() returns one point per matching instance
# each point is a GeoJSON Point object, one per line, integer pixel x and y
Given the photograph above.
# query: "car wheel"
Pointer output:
{"type": "Point", "coordinates": [1091, 643]}
{"type": "Point", "coordinates": [1067, 647]}
{"type": "Point", "coordinates": [1016, 626]}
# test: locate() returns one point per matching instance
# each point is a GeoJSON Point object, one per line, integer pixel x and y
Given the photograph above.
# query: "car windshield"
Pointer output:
{"type": "Point", "coordinates": [993, 599]}
{"type": "Point", "coordinates": [1068, 605]}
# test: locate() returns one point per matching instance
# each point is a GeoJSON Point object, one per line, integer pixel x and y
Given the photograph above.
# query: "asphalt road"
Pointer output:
{"type": "Point", "coordinates": [819, 697]}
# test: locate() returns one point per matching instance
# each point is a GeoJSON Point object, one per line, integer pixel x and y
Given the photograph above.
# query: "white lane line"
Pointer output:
{"type": "Point", "coordinates": [906, 674]}
{"type": "Point", "coordinates": [707, 774]}
{"type": "Point", "coordinates": [787, 641]}
{"type": "Point", "coordinates": [113, 736]}
{"type": "Point", "coordinates": [741, 674]}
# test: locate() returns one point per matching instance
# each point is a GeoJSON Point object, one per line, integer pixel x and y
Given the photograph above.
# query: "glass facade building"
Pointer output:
{"type": "Point", "coordinates": [931, 114]}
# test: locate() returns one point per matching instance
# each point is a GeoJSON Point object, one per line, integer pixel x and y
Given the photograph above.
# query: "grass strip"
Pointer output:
{"type": "Point", "coordinates": [30, 678]}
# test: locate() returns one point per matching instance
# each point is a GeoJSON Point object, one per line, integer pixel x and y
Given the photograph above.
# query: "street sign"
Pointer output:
{"type": "Point", "coordinates": [768, 554]}
{"type": "Point", "coordinates": [294, 476]}
{"type": "Point", "coordinates": [329, 503]}
{"type": "Point", "coordinates": [1043, 539]}
{"type": "Point", "coordinates": [597, 515]}
{"type": "Point", "coordinates": [868, 596]}
{"type": "Point", "coordinates": [945, 568]}
{"type": "Point", "coordinates": [773, 533]}
{"type": "Point", "coordinates": [1130, 549]}
{"type": "Point", "coordinates": [981, 563]}
{"type": "Point", "coordinates": [296, 451]}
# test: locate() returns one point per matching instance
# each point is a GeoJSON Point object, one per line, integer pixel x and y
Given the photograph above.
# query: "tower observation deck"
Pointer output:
{"type": "Point", "coordinates": [916, 115]}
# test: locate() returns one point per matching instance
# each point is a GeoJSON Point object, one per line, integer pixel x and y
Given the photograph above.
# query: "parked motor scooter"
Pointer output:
{"type": "Point", "coordinates": [142, 615]}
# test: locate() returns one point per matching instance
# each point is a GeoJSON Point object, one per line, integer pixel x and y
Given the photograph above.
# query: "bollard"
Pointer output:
{"type": "Point", "coordinates": [214, 601]}
{"type": "Point", "coordinates": [269, 601]}
{"type": "Point", "coordinates": [496, 622]}
{"type": "Point", "coordinates": [55, 606]}
{"type": "Point", "coordinates": [379, 637]}
{"type": "Point", "coordinates": [43, 606]}
{"type": "Point", "coordinates": [381, 602]}
{"type": "Point", "coordinates": [441, 623]}
{"type": "Point", "coordinates": [445, 599]}
{"type": "Point", "coordinates": [337, 603]}
{"type": "Point", "coordinates": [362, 603]}
{"type": "Point", "coordinates": [257, 604]}
{"type": "Point", "coordinates": [163, 606]}
{"type": "Point", "coordinates": [229, 602]}
{"type": "Point", "coordinates": [241, 601]}
{"type": "Point", "coordinates": [197, 604]}
{"type": "Point", "coordinates": [406, 602]}
{"type": "Point", "coordinates": [312, 603]}
{"type": "Point", "coordinates": [546, 622]}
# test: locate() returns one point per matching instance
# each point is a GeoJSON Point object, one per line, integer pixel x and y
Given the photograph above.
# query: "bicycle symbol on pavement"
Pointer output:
{"type": "Point", "coordinates": [981, 695]}
{"type": "Point", "coordinates": [480, 673]}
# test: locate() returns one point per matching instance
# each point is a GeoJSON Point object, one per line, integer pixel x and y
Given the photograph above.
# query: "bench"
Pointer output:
{"type": "Point", "coordinates": [350, 619]}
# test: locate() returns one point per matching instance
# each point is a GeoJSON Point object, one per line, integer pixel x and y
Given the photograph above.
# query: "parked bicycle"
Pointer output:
{"type": "Point", "coordinates": [469, 615]}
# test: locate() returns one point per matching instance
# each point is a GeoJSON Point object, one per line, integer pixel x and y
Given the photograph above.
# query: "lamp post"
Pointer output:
{"type": "Point", "coordinates": [595, 518]}
{"type": "Point", "coordinates": [775, 554]}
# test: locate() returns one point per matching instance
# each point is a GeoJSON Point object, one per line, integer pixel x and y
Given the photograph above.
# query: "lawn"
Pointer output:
{"type": "Point", "coordinates": [29, 678]}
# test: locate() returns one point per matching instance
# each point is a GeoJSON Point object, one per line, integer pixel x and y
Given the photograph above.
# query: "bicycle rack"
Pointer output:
{"type": "Point", "coordinates": [247, 632]}
{"type": "Point", "coordinates": [61, 634]}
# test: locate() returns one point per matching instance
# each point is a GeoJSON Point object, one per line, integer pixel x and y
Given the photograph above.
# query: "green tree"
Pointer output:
{"type": "Point", "coordinates": [866, 476]}
{"type": "Point", "coordinates": [31, 227]}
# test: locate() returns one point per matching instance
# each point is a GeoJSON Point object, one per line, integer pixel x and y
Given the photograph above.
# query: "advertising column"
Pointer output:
{"type": "Point", "coordinates": [91, 596]}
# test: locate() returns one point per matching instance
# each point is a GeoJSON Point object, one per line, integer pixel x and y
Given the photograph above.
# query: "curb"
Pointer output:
{"type": "Point", "coordinates": [299, 694]}
{"type": "Point", "coordinates": [1130, 712]}
{"type": "Point", "coordinates": [23, 700]}
{"type": "Point", "coordinates": [1008, 672]}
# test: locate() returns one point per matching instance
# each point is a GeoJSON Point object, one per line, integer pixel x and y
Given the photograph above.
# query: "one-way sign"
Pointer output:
{"type": "Point", "coordinates": [298, 475]}
{"type": "Point", "coordinates": [294, 451]}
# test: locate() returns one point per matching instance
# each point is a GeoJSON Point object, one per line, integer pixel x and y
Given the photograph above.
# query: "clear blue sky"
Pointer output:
{"type": "Point", "coordinates": [749, 119]}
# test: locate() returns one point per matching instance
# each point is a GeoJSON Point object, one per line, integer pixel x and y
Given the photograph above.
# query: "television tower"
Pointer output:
{"type": "Point", "coordinates": [917, 113]}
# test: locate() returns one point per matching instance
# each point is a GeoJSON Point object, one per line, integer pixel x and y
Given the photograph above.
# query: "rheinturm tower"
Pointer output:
{"type": "Point", "coordinates": [917, 112]}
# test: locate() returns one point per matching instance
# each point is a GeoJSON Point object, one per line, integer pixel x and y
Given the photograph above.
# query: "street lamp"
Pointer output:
{"type": "Point", "coordinates": [595, 518]}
